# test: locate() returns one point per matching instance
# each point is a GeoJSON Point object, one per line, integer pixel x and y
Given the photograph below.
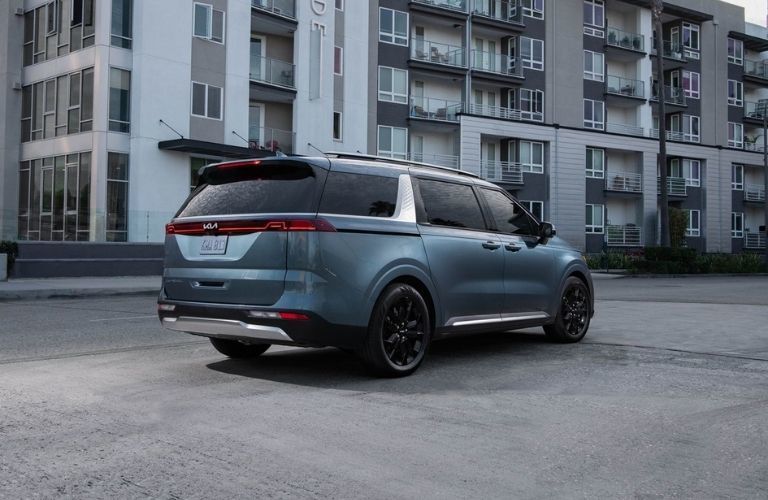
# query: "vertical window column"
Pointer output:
{"type": "Point", "coordinates": [117, 197]}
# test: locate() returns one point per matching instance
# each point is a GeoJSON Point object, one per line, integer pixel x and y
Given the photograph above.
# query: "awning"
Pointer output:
{"type": "Point", "coordinates": [212, 149]}
{"type": "Point", "coordinates": [751, 42]}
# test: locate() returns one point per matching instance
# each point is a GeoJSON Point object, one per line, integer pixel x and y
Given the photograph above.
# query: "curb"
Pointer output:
{"type": "Point", "coordinates": [700, 275]}
{"type": "Point", "coordinates": [9, 296]}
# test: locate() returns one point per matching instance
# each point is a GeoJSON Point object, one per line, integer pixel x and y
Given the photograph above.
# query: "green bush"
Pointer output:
{"type": "Point", "coordinates": [678, 223]}
{"type": "Point", "coordinates": [664, 260]}
{"type": "Point", "coordinates": [12, 249]}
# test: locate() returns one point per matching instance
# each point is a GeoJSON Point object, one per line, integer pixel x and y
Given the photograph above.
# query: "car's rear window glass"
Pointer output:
{"type": "Point", "coordinates": [357, 194]}
{"type": "Point", "coordinates": [253, 190]}
{"type": "Point", "coordinates": [449, 204]}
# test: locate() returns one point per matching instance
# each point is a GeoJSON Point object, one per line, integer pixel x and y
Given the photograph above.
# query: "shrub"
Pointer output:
{"type": "Point", "coordinates": [12, 249]}
{"type": "Point", "coordinates": [663, 260]}
{"type": "Point", "coordinates": [678, 223]}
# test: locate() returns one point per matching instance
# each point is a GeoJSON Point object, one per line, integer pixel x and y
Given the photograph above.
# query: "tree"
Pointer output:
{"type": "Point", "coordinates": [657, 9]}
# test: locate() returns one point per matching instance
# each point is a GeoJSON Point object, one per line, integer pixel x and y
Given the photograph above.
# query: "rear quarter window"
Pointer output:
{"type": "Point", "coordinates": [359, 194]}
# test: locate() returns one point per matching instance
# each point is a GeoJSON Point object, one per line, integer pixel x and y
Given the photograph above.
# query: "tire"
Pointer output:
{"type": "Point", "coordinates": [238, 350]}
{"type": "Point", "coordinates": [398, 334]}
{"type": "Point", "coordinates": [573, 314]}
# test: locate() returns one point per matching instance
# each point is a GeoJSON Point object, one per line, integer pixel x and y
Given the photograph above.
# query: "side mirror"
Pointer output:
{"type": "Point", "coordinates": [546, 231]}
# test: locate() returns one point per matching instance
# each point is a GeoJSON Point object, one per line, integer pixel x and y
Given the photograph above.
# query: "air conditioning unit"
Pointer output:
{"type": "Point", "coordinates": [19, 11]}
{"type": "Point", "coordinates": [16, 85]}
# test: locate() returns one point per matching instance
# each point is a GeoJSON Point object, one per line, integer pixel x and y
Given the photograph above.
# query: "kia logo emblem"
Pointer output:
{"type": "Point", "coordinates": [210, 226]}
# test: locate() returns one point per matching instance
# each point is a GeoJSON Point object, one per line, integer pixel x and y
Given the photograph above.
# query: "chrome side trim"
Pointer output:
{"type": "Point", "coordinates": [225, 328]}
{"type": "Point", "coordinates": [503, 318]}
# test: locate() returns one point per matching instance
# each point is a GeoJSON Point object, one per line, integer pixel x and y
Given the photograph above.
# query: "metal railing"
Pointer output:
{"type": "Point", "coordinates": [627, 182]}
{"type": "Point", "coordinates": [271, 139]}
{"type": "Point", "coordinates": [460, 5]}
{"type": "Point", "coordinates": [501, 171]}
{"type": "Point", "coordinates": [671, 50]}
{"type": "Point", "coordinates": [754, 240]}
{"type": "Point", "coordinates": [438, 53]}
{"type": "Point", "coordinates": [754, 146]}
{"type": "Point", "coordinates": [752, 110]}
{"type": "Point", "coordinates": [505, 113]}
{"type": "Point", "coordinates": [675, 186]}
{"type": "Point", "coordinates": [627, 235]}
{"type": "Point", "coordinates": [625, 40]}
{"type": "Point", "coordinates": [621, 128]}
{"type": "Point", "coordinates": [451, 161]}
{"type": "Point", "coordinates": [272, 71]}
{"type": "Point", "coordinates": [509, 11]}
{"type": "Point", "coordinates": [497, 63]}
{"type": "Point", "coordinates": [435, 109]}
{"type": "Point", "coordinates": [672, 95]}
{"type": "Point", "coordinates": [673, 135]}
{"type": "Point", "coordinates": [758, 69]}
{"type": "Point", "coordinates": [282, 7]}
{"type": "Point", "coordinates": [619, 85]}
{"type": "Point", "coordinates": [754, 192]}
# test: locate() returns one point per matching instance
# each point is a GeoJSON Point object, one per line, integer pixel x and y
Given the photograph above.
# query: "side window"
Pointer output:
{"type": "Point", "coordinates": [449, 204]}
{"type": "Point", "coordinates": [508, 215]}
{"type": "Point", "coordinates": [357, 194]}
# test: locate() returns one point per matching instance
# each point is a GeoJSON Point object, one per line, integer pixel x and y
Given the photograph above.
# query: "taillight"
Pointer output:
{"type": "Point", "coordinates": [247, 227]}
{"type": "Point", "coordinates": [238, 164]}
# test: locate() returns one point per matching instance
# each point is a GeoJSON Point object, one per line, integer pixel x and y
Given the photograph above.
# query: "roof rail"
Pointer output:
{"type": "Point", "coordinates": [407, 163]}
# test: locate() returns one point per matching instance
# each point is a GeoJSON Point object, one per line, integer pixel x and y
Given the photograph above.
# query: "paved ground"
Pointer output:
{"type": "Point", "coordinates": [668, 398]}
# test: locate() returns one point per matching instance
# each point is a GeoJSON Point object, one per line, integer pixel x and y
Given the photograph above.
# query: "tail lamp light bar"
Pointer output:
{"type": "Point", "coordinates": [247, 227]}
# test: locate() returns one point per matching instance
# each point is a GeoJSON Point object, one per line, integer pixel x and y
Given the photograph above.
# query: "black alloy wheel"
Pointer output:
{"type": "Point", "coordinates": [573, 316]}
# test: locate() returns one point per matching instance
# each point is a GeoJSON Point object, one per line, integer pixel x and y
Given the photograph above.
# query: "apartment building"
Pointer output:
{"type": "Point", "coordinates": [109, 112]}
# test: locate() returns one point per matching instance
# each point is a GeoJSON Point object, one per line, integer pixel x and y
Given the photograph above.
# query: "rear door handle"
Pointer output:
{"type": "Point", "coordinates": [512, 247]}
{"type": "Point", "coordinates": [490, 245]}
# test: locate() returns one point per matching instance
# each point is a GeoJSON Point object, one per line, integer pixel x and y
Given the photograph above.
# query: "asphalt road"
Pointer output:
{"type": "Point", "coordinates": [667, 397]}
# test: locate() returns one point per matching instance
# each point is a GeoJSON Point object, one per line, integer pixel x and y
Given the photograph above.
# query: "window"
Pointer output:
{"type": "Point", "coordinates": [117, 197]}
{"type": "Point", "coordinates": [735, 135]}
{"type": "Point", "coordinates": [393, 26]}
{"type": "Point", "coordinates": [531, 156]}
{"type": "Point", "coordinates": [393, 85]}
{"type": "Point", "coordinates": [338, 61]}
{"type": "Point", "coordinates": [337, 126]}
{"type": "Point", "coordinates": [693, 228]}
{"type": "Point", "coordinates": [594, 116]}
{"type": "Point", "coordinates": [688, 169]}
{"type": "Point", "coordinates": [691, 37]}
{"type": "Point", "coordinates": [119, 100]}
{"type": "Point", "coordinates": [359, 194]}
{"type": "Point", "coordinates": [595, 224]}
{"type": "Point", "coordinates": [594, 15]}
{"type": "Point", "coordinates": [209, 23]}
{"type": "Point", "coordinates": [508, 216]}
{"type": "Point", "coordinates": [52, 23]}
{"type": "Point", "coordinates": [595, 163]}
{"type": "Point", "coordinates": [532, 53]}
{"type": "Point", "coordinates": [195, 165]}
{"type": "Point", "coordinates": [450, 204]}
{"type": "Point", "coordinates": [533, 8]}
{"type": "Point", "coordinates": [735, 93]}
{"type": "Point", "coordinates": [691, 128]}
{"type": "Point", "coordinates": [691, 84]}
{"type": "Point", "coordinates": [535, 207]}
{"type": "Point", "coordinates": [56, 29]}
{"type": "Point", "coordinates": [57, 107]}
{"type": "Point", "coordinates": [393, 142]}
{"type": "Point", "coordinates": [737, 224]}
{"type": "Point", "coordinates": [594, 68]}
{"type": "Point", "coordinates": [122, 23]}
{"type": "Point", "coordinates": [339, 4]}
{"type": "Point", "coordinates": [531, 104]}
{"type": "Point", "coordinates": [737, 177]}
{"type": "Point", "coordinates": [735, 51]}
{"type": "Point", "coordinates": [206, 100]}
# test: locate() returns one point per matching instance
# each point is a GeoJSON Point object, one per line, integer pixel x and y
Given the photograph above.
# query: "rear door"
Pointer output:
{"type": "Point", "coordinates": [228, 242]}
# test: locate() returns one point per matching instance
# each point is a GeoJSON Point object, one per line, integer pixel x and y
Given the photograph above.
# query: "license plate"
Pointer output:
{"type": "Point", "coordinates": [213, 245]}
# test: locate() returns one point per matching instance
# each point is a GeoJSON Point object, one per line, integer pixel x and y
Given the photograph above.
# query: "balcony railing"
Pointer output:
{"type": "Point", "coordinates": [430, 108]}
{"type": "Point", "coordinates": [438, 53]}
{"type": "Point", "coordinates": [675, 186]}
{"type": "Point", "coordinates": [457, 5]}
{"type": "Point", "coordinates": [754, 192]}
{"type": "Point", "coordinates": [625, 87]}
{"type": "Point", "coordinates": [505, 113]}
{"type": "Point", "coordinates": [672, 95]}
{"type": "Point", "coordinates": [754, 240]}
{"type": "Point", "coordinates": [501, 171]}
{"type": "Point", "coordinates": [509, 11]}
{"type": "Point", "coordinates": [673, 135]}
{"type": "Point", "coordinates": [672, 50]}
{"type": "Point", "coordinates": [752, 110]}
{"type": "Point", "coordinates": [625, 40]}
{"type": "Point", "coordinates": [497, 63]}
{"type": "Point", "coordinates": [757, 69]}
{"type": "Point", "coordinates": [272, 71]}
{"type": "Point", "coordinates": [451, 161]}
{"type": "Point", "coordinates": [271, 139]}
{"type": "Point", "coordinates": [627, 182]}
{"type": "Point", "coordinates": [282, 7]}
{"type": "Point", "coordinates": [627, 235]}
{"type": "Point", "coordinates": [621, 128]}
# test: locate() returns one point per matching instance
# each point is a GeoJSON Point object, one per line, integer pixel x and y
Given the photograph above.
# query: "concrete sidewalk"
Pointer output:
{"type": "Point", "coordinates": [60, 288]}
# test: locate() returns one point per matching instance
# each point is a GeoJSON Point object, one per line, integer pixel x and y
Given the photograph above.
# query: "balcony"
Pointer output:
{"type": "Point", "coordinates": [754, 240]}
{"type": "Point", "coordinates": [673, 135]}
{"type": "Point", "coordinates": [672, 95]}
{"type": "Point", "coordinates": [429, 108]}
{"type": "Point", "coordinates": [624, 182]}
{"type": "Point", "coordinates": [285, 8]}
{"type": "Point", "coordinates": [438, 53]}
{"type": "Point", "coordinates": [628, 235]}
{"type": "Point", "coordinates": [675, 186]}
{"type": "Point", "coordinates": [499, 10]}
{"type": "Point", "coordinates": [752, 112]}
{"type": "Point", "coordinates": [453, 5]}
{"type": "Point", "coordinates": [501, 171]}
{"type": "Point", "coordinates": [625, 40]}
{"type": "Point", "coordinates": [272, 72]}
{"type": "Point", "coordinates": [671, 51]}
{"type": "Point", "coordinates": [756, 147]}
{"type": "Point", "coordinates": [500, 64]}
{"type": "Point", "coordinates": [754, 192]}
{"type": "Point", "coordinates": [271, 139]}
{"type": "Point", "coordinates": [451, 161]}
{"type": "Point", "coordinates": [625, 87]}
{"type": "Point", "coordinates": [621, 128]}
{"type": "Point", "coordinates": [505, 113]}
{"type": "Point", "coordinates": [756, 69]}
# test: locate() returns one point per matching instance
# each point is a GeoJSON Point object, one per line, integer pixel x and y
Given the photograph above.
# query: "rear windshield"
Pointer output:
{"type": "Point", "coordinates": [253, 190]}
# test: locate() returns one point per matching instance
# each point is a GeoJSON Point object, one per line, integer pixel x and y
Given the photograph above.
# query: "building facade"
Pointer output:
{"type": "Point", "coordinates": [109, 107]}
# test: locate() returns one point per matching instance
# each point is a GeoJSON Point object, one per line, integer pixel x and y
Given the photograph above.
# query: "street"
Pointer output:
{"type": "Point", "coordinates": [667, 396]}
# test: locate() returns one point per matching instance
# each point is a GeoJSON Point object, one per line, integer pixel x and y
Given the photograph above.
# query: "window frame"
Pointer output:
{"type": "Point", "coordinates": [692, 28]}
{"type": "Point", "coordinates": [735, 56]}
{"type": "Point", "coordinates": [532, 11]}
{"type": "Point", "coordinates": [490, 218]}
{"type": "Point", "coordinates": [692, 231]}
{"type": "Point", "coordinates": [391, 153]}
{"type": "Point", "coordinates": [422, 217]}
{"type": "Point", "coordinates": [687, 123]}
{"type": "Point", "coordinates": [192, 101]}
{"type": "Point", "coordinates": [394, 96]}
{"type": "Point", "coordinates": [590, 26]}
{"type": "Point", "coordinates": [593, 75]}
{"type": "Point", "coordinates": [689, 90]}
{"type": "Point", "coordinates": [529, 166]}
{"type": "Point", "coordinates": [126, 40]}
{"type": "Point", "coordinates": [735, 184]}
{"type": "Point", "coordinates": [338, 59]}
{"type": "Point", "coordinates": [738, 98]}
{"type": "Point", "coordinates": [530, 62]}
{"type": "Point", "coordinates": [110, 120]}
{"type": "Point", "coordinates": [394, 37]}
{"type": "Point", "coordinates": [595, 228]}
{"type": "Point", "coordinates": [340, 136]}
{"type": "Point", "coordinates": [594, 124]}
{"type": "Point", "coordinates": [591, 172]}
{"type": "Point", "coordinates": [735, 141]}
{"type": "Point", "coordinates": [209, 23]}
{"type": "Point", "coordinates": [735, 231]}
